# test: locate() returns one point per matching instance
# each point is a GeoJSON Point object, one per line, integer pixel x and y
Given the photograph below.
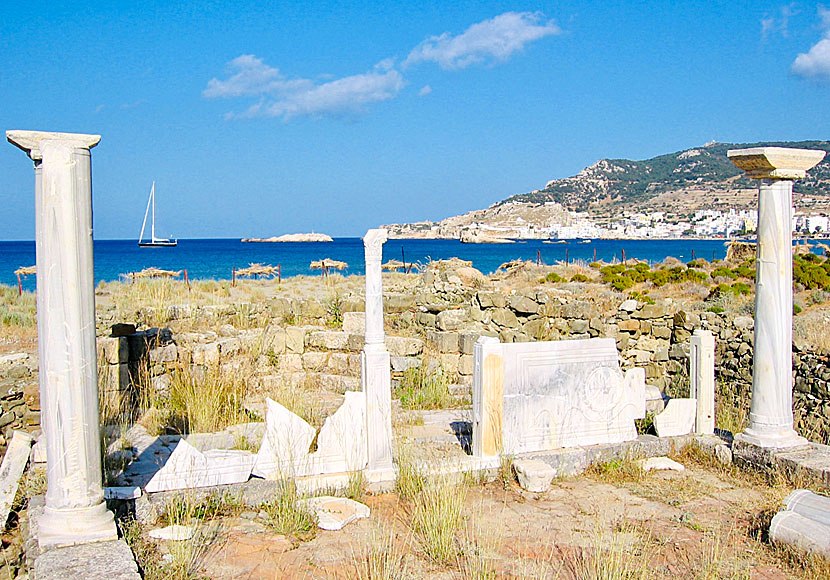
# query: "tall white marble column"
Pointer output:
{"type": "Point", "coordinates": [771, 412]}
{"type": "Point", "coordinates": [375, 368]}
{"type": "Point", "coordinates": [75, 511]}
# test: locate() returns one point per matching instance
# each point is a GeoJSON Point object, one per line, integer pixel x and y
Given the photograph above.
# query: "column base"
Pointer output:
{"type": "Point", "coordinates": [783, 438]}
{"type": "Point", "coordinates": [68, 527]}
{"type": "Point", "coordinates": [381, 480]}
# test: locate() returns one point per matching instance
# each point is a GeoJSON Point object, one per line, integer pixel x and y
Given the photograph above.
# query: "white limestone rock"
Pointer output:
{"type": "Point", "coordinates": [723, 454]}
{"type": "Point", "coordinates": [533, 474]}
{"type": "Point", "coordinates": [14, 462]}
{"type": "Point", "coordinates": [678, 418]}
{"type": "Point", "coordinates": [333, 513]}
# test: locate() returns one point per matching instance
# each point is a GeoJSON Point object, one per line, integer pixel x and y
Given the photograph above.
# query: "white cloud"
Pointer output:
{"type": "Point", "coordinates": [493, 40]}
{"type": "Point", "coordinates": [425, 90]}
{"type": "Point", "coordinates": [816, 62]}
{"type": "Point", "coordinates": [288, 98]}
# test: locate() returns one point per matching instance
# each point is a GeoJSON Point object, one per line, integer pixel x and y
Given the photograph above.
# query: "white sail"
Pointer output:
{"type": "Point", "coordinates": [151, 210]}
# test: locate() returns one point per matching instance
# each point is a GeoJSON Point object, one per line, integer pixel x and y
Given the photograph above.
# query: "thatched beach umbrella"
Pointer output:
{"type": "Point", "coordinates": [393, 265]}
{"type": "Point", "coordinates": [24, 271]}
{"type": "Point", "coordinates": [327, 263]}
{"type": "Point", "coordinates": [152, 272]}
{"type": "Point", "coordinates": [255, 269]}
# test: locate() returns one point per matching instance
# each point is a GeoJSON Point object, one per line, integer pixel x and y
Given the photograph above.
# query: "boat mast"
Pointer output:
{"type": "Point", "coordinates": [153, 223]}
{"type": "Point", "coordinates": [147, 211]}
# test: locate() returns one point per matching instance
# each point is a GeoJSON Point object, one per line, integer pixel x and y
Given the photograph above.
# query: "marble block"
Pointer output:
{"type": "Point", "coordinates": [335, 512]}
{"type": "Point", "coordinates": [533, 474]}
{"type": "Point", "coordinates": [678, 418]}
{"type": "Point", "coordinates": [341, 443]}
{"type": "Point", "coordinates": [14, 462]}
{"type": "Point", "coordinates": [547, 395]}
{"type": "Point", "coordinates": [188, 468]}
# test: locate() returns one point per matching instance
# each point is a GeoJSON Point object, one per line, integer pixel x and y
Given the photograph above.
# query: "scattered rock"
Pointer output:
{"type": "Point", "coordinates": [175, 533]}
{"type": "Point", "coordinates": [661, 464]}
{"type": "Point", "coordinates": [335, 512]}
{"type": "Point", "coordinates": [723, 454]}
{"type": "Point", "coordinates": [533, 474]}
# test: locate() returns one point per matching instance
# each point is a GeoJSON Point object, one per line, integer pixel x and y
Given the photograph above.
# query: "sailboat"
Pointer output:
{"type": "Point", "coordinates": [154, 242]}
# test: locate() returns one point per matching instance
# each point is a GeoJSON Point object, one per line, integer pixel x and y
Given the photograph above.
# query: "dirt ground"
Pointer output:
{"type": "Point", "coordinates": [661, 525]}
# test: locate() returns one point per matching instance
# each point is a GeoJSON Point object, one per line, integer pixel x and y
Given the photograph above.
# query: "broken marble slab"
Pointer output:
{"type": "Point", "coordinates": [341, 443]}
{"type": "Point", "coordinates": [39, 451]}
{"type": "Point", "coordinates": [174, 533]}
{"type": "Point", "coordinates": [333, 513]}
{"type": "Point", "coordinates": [14, 462]}
{"type": "Point", "coordinates": [661, 464]}
{"type": "Point", "coordinates": [678, 418]}
{"type": "Point", "coordinates": [187, 467]}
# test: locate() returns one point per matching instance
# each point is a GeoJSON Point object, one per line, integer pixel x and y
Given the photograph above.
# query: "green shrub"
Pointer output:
{"type": "Point", "coordinates": [723, 272]}
{"type": "Point", "coordinates": [420, 388]}
{"type": "Point", "coordinates": [595, 265]}
{"type": "Point", "coordinates": [580, 278]}
{"type": "Point", "coordinates": [796, 309]}
{"type": "Point", "coordinates": [740, 288]}
{"type": "Point", "coordinates": [553, 277]}
{"type": "Point", "coordinates": [715, 309]}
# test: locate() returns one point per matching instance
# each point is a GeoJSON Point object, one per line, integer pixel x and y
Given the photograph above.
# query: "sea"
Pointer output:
{"type": "Point", "coordinates": [216, 258]}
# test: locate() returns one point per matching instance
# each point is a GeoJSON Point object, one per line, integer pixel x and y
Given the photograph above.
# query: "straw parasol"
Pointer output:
{"type": "Point", "coordinates": [26, 270]}
{"type": "Point", "coordinates": [153, 273]}
{"type": "Point", "coordinates": [393, 265]}
{"type": "Point", "coordinates": [256, 269]}
{"type": "Point", "coordinates": [326, 264]}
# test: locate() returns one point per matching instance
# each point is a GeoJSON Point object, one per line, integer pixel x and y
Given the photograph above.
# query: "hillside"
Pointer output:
{"type": "Point", "coordinates": [621, 183]}
{"type": "Point", "coordinates": [677, 184]}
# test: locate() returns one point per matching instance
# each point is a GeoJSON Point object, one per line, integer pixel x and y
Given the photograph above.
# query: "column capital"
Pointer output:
{"type": "Point", "coordinates": [29, 141]}
{"type": "Point", "coordinates": [775, 162]}
{"type": "Point", "coordinates": [375, 238]}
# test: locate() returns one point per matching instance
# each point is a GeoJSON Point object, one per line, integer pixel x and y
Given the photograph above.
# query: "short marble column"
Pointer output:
{"type": "Point", "coordinates": [771, 412]}
{"type": "Point", "coordinates": [376, 379]}
{"type": "Point", "coordinates": [75, 511]}
{"type": "Point", "coordinates": [702, 380]}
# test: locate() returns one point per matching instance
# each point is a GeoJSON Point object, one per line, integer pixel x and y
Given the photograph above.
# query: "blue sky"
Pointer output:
{"type": "Point", "coordinates": [262, 118]}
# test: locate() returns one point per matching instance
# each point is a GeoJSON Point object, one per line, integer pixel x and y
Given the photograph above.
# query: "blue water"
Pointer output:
{"type": "Point", "coordinates": [215, 259]}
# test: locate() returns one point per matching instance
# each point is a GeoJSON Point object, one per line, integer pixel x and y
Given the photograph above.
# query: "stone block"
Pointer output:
{"type": "Point", "coordinates": [445, 342]}
{"type": "Point", "coordinates": [338, 363]}
{"type": "Point", "coordinates": [651, 311]}
{"type": "Point", "coordinates": [31, 394]}
{"type": "Point", "coordinates": [449, 362]}
{"type": "Point", "coordinates": [491, 299]}
{"type": "Point", "coordinates": [273, 339]}
{"type": "Point", "coordinates": [315, 361]}
{"type": "Point", "coordinates": [229, 347]}
{"type": "Point", "coordinates": [164, 354]}
{"type": "Point", "coordinates": [523, 304]}
{"type": "Point", "coordinates": [114, 350]}
{"type": "Point", "coordinates": [661, 332]}
{"type": "Point", "coordinates": [403, 363]}
{"type": "Point", "coordinates": [395, 303]}
{"type": "Point", "coordinates": [536, 328]}
{"type": "Point", "coordinates": [405, 346]}
{"type": "Point", "coordinates": [466, 342]}
{"type": "Point", "coordinates": [565, 462]}
{"type": "Point", "coordinates": [112, 560]}
{"type": "Point", "coordinates": [328, 340]}
{"type": "Point", "coordinates": [465, 364]}
{"type": "Point", "coordinates": [291, 362]}
{"type": "Point", "coordinates": [206, 354]}
{"type": "Point", "coordinates": [534, 475]}
{"type": "Point", "coordinates": [578, 326]}
{"type": "Point", "coordinates": [629, 325]}
{"type": "Point", "coordinates": [294, 340]}
{"type": "Point", "coordinates": [504, 318]}
{"type": "Point", "coordinates": [451, 319]}
{"type": "Point", "coordinates": [355, 342]}
{"type": "Point", "coordinates": [426, 319]}
{"type": "Point", "coordinates": [629, 305]}
{"type": "Point", "coordinates": [354, 323]}
{"type": "Point", "coordinates": [578, 309]}
{"type": "Point", "coordinates": [187, 467]}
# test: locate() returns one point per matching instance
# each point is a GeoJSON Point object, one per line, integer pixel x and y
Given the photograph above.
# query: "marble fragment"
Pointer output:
{"type": "Point", "coordinates": [285, 445]}
{"type": "Point", "coordinates": [661, 464]}
{"type": "Point", "coordinates": [678, 418]}
{"type": "Point", "coordinates": [14, 462]}
{"type": "Point", "coordinates": [333, 513]}
{"type": "Point", "coordinates": [188, 467]}
{"type": "Point", "coordinates": [533, 474]}
{"type": "Point", "coordinates": [174, 533]}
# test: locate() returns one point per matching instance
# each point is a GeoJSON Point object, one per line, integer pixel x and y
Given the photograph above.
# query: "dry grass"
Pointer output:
{"type": "Point", "coordinates": [208, 400]}
{"type": "Point", "coordinates": [383, 558]}
{"type": "Point", "coordinates": [436, 516]}
{"type": "Point", "coordinates": [287, 516]}
{"type": "Point", "coordinates": [424, 387]}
